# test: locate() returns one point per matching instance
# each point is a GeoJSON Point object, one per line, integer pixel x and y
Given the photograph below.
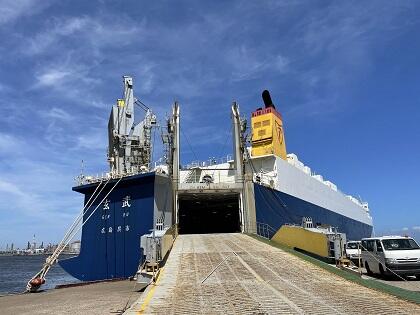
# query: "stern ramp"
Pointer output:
{"type": "Point", "coordinates": [237, 274]}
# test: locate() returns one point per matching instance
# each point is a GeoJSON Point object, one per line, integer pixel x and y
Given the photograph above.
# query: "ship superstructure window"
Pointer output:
{"type": "Point", "coordinates": [257, 124]}
{"type": "Point", "coordinates": [261, 132]}
{"type": "Point", "coordinates": [266, 123]}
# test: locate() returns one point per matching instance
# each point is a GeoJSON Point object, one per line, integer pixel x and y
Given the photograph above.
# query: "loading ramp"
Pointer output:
{"type": "Point", "coordinates": [237, 274]}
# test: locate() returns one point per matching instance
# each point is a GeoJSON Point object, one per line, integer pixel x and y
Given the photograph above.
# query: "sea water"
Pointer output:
{"type": "Point", "coordinates": [16, 271]}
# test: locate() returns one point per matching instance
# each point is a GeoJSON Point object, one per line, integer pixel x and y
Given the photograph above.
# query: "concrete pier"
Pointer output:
{"type": "Point", "coordinates": [98, 298]}
{"type": "Point", "coordinates": [237, 274]}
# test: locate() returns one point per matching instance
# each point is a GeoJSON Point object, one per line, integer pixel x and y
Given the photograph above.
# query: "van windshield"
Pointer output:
{"type": "Point", "coordinates": [400, 244]}
{"type": "Point", "coordinates": [352, 245]}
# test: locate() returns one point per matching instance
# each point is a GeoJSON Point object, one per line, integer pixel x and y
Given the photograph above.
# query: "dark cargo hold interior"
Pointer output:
{"type": "Point", "coordinates": [209, 213]}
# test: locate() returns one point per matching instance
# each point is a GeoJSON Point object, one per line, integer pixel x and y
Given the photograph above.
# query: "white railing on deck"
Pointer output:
{"type": "Point", "coordinates": [216, 179]}
{"type": "Point", "coordinates": [90, 179]}
{"type": "Point", "coordinates": [209, 162]}
{"type": "Point", "coordinates": [207, 176]}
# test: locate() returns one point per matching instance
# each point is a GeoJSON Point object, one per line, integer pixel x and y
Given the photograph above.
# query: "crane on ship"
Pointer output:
{"type": "Point", "coordinates": [129, 153]}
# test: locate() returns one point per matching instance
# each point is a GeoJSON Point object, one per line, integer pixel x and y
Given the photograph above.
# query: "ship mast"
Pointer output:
{"type": "Point", "coordinates": [130, 144]}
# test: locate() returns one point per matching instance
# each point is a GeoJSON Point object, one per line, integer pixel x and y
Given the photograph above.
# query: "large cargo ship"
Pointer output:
{"type": "Point", "coordinates": [260, 186]}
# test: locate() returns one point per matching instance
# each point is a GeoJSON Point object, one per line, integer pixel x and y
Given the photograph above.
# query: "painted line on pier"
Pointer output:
{"type": "Point", "coordinates": [150, 293]}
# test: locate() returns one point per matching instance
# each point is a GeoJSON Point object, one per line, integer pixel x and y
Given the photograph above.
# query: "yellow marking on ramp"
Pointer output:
{"type": "Point", "coordinates": [150, 293]}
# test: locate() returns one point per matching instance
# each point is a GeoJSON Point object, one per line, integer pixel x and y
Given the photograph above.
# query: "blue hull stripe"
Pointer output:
{"type": "Point", "coordinates": [277, 208]}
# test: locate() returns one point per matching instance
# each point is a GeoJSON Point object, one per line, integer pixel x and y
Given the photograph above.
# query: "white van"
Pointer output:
{"type": "Point", "coordinates": [398, 253]}
{"type": "Point", "coordinates": [352, 249]}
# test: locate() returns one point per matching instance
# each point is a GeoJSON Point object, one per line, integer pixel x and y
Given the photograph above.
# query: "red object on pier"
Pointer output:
{"type": "Point", "coordinates": [37, 282]}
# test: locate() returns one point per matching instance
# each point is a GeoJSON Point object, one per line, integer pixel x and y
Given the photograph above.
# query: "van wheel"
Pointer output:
{"type": "Point", "coordinates": [382, 271]}
{"type": "Point", "coordinates": [368, 271]}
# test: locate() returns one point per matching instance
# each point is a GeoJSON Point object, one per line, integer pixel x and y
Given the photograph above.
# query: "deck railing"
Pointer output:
{"type": "Point", "coordinates": [261, 229]}
{"type": "Point", "coordinates": [209, 162]}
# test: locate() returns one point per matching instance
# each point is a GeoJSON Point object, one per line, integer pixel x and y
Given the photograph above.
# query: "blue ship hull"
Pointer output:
{"type": "Point", "coordinates": [110, 242]}
{"type": "Point", "coordinates": [276, 208]}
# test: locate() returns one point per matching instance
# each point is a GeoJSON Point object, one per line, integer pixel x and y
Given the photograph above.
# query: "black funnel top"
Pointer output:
{"type": "Point", "coordinates": [267, 99]}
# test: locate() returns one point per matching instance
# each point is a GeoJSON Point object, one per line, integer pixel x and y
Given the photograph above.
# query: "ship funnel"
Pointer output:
{"type": "Point", "coordinates": [267, 99]}
{"type": "Point", "coordinates": [267, 130]}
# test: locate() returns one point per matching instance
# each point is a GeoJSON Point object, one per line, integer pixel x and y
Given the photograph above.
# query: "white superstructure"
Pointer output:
{"type": "Point", "coordinates": [294, 178]}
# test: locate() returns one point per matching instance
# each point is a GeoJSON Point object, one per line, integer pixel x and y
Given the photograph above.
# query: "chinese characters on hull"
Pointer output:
{"type": "Point", "coordinates": [126, 203]}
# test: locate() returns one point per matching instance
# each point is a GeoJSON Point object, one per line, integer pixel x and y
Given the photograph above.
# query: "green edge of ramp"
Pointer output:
{"type": "Point", "coordinates": [407, 295]}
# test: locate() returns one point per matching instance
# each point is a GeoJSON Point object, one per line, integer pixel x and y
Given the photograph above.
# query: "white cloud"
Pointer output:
{"type": "Point", "coordinates": [10, 188]}
{"type": "Point", "coordinates": [34, 203]}
{"type": "Point", "coordinates": [71, 25]}
{"type": "Point", "coordinates": [9, 144]}
{"type": "Point", "coordinates": [43, 41]}
{"type": "Point", "coordinates": [24, 201]}
{"type": "Point", "coordinates": [281, 63]}
{"type": "Point", "coordinates": [91, 33]}
{"type": "Point", "coordinates": [31, 185]}
{"type": "Point", "coordinates": [59, 114]}
{"type": "Point", "coordinates": [416, 228]}
{"type": "Point", "coordinates": [95, 139]}
{"type": "Point", "coordinates": [69, 77]}
{"type": "Point", "coordinates": [246, 63]}
{"type": "Point", "coordinates": [405, 229]}
{"type": "Point", "coordinates": [249, 63]}
{"type": "Point", "coordinates": [72, 69]}
{"type": "Point", "coordinates": [11, 10]}
{"type": "Point", "coordinates": [342, 39]}
{"type": "Point", "coordinates": [52, 77]}
{"type": "Point", "coordinates": [147, 78]}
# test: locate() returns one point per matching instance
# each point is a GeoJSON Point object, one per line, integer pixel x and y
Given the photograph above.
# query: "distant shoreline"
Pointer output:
{"type": "Point", "coordinates": [39, 254]}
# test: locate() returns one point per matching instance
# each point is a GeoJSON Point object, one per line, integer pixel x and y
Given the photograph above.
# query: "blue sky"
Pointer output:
{"type": "Point", "coordinates": [344, 75]}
